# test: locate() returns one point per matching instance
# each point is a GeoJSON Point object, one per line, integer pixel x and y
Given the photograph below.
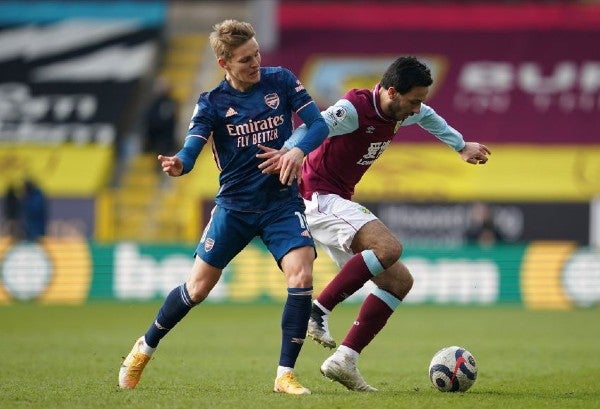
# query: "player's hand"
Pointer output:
{"type": "Point", "coordinates": [291, 166]}
{"type": "Point", "coordinates": [475, 153]}
{"type": "Point", "coordinates": [271, 158]}
{"type": "Point", "coordinates": [171, 165]}
{"type": "Point", "coordinates": [287, 163]}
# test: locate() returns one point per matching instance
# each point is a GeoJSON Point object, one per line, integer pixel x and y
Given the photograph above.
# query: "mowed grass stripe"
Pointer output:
{"type": "Point", "coordinates": [225, 356]}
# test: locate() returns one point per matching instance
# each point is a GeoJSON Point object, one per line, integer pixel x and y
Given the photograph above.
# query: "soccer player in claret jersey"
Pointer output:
{"type": "Point", "coordinates": [253, 105]}
{"type": "Point", "coordinates": [361, 126]}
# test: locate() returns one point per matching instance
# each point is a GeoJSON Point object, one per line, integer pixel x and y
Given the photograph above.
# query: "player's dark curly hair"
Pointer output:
{"type": "Point", "coordinates": [406, 73]}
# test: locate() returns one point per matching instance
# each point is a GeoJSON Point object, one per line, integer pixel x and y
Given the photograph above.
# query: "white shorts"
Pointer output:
{"type": "Point", "coordinates": [333, 223]}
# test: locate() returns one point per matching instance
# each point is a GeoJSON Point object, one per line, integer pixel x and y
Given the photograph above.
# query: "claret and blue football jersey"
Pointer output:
{"type": "Point", "coordinates": [359, 132]}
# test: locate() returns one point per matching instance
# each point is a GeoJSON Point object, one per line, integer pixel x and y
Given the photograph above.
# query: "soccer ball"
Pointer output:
{"type": "Point", "coordinates": [453, 369]}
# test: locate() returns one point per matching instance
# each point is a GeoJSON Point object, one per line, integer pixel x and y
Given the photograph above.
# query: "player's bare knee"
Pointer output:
{"type": "Point", "coordinates": [197, 291]}
{"type": "Point", "coordinates": [375, 236]}
{"type": "Point", "coordinates": [407, 282]}
{"type": "Point", "coordinates": [298, 272]}
{"type": "Point", "coordinates": [396, 280]}
{"type": "Point", "coordinates": [389, 252]}
{"type": "Point", "coordinates": [297, 267]}
{"type": "Point", "coordinates": [400, 289]}
{"type": "Point", "coordinates": [299, 279]}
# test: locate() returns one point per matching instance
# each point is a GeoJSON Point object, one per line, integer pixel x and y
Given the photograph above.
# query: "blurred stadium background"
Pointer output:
{"type": "Point", "coordinates": [522, 77]}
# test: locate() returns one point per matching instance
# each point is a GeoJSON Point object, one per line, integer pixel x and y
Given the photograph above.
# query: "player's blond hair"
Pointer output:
{"type": "Point", "coordinates": [229, 35]}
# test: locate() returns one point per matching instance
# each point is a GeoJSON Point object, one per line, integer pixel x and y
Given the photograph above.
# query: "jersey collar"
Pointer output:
{"type": "Point", "coordinates": [377, 104]}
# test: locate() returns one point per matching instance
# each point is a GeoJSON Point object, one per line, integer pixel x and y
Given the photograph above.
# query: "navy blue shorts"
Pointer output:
{"type": "Point", "coordinates": [229, 231]}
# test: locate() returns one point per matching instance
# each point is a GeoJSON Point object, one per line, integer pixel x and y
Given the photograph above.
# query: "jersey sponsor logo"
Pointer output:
{"type": "Point", "coordinates": [272, 100]}
{"type": "Point", "coordinates": [255, 132]}
{"type": "Point", "coordinates": [253, 126]}
{"type": "Point", "coordinates": [230, 112]}
{"type": "Point", "coordinates": [373, 152]}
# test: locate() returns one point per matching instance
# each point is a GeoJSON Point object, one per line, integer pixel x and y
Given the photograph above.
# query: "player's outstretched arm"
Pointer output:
{"type": "Point", "coordinates": [475, 153]}
{"type": "Point", "coordinates": [171, 165]}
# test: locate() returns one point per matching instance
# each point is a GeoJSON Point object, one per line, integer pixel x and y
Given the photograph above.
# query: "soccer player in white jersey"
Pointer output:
{"type": "Point", "coordinates": [361, 126]}
{"type": "Point", "coordinates": [253, 105]}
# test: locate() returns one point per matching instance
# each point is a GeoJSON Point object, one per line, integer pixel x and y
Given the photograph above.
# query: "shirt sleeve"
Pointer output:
{"type": "Point", "coordinates": [316, 129]}
{"type": "Point", "coordinates": [190, 151]}
{"type": "Point", "coordinates": [429, 120]}
{"type": "Point", "coordinates": [195, 139]}
{"type": "Point", "coordinates": [340, 118]}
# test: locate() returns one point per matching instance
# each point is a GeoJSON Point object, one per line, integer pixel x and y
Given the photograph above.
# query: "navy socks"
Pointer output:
{"type": "Point", "coordinates": [177, 304]}
{"type": "Point", "coordinates": [294, 322]}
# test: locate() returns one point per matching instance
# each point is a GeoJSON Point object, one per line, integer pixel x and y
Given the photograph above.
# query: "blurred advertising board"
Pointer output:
{"type": "Point", "coordinates": [71, 73]}
{"type": "Point", "coordinates": [444, 223]}
{"type": "Point", "coordinates": [504, 73]}
{"type": "Point", "coordinates": [440, 223]}
{"type": "Point", "coordinates": [433, 172]}
{"type": "Point", "coordinates": [68, 170]}
{"type": "Point", "coordinates": [548, 275]}
{"type": "Point", "coordinates": [515, 172]}
{"type": "Point", "coordinates": [69, 175]}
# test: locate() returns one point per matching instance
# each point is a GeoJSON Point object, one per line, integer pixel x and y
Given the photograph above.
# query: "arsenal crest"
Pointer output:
{"type": "Point", "coordinates": [272, 100]}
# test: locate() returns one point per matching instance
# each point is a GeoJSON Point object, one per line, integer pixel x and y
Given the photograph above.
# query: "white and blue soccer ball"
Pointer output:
{"type": "Point", "coordinates": [453, 369]}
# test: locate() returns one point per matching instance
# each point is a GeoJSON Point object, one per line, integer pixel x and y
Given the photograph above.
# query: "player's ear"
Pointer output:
{"type": "Point", "coordinates": [222, 62]}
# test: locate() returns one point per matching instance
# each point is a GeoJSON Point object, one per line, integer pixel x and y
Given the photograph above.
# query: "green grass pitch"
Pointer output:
{"type": "Point", "coordinates": [225, 356]}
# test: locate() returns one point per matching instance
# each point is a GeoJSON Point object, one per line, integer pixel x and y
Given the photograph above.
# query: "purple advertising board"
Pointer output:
{"type": "Point", "coordinates": [503, 73]}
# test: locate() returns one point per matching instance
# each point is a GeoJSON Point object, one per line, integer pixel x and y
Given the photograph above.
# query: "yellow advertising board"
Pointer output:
{"type": "Point", "coordinates": [433, 171]}
{"type": "Point", "coordinates": [61, 170]}
{"type": "Point", "coordinates": [411, 171]}
{"type": "Point", "coordinates": [513, 173]}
